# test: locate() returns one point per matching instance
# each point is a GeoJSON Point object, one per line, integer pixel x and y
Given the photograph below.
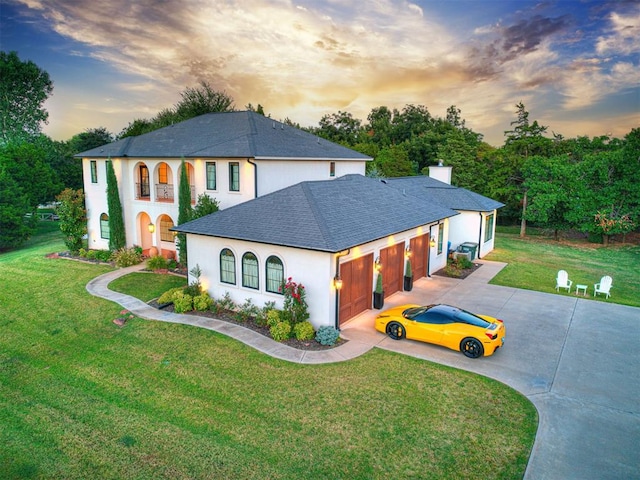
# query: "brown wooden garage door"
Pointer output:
{"type": "Point", "coordinates": [419, 249]}
{"type": "Point", "coordinates": [392, 259]}
{"type": "Point", "coordinates": [356, 293]}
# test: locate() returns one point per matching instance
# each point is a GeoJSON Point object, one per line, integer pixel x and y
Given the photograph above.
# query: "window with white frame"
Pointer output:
{"type": "Point", "coordinates": [94, 171]}
{"type": "Point", "coordinates": [275, 274]}
{"type": "Point", "coordinates": [488, 227]}
{"type": "Point", "coordinates": [234, 177]}
{"type": "Point", "coordinates": [440, 237]}
{"type": "Point", "coordinates": [211, 175]}
{"type": "Point", "coordinates": [227, 267]}
{"type": "Point", "coordinates": [105, 231]}
{"type": "Point", "coordinates": [249, 271]}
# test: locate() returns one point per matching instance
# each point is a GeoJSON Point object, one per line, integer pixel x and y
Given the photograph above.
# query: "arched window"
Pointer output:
{"type": "Point", "coordinates": [275, 274]}
{"type": "Point", "coordinates": [104, 226]}
{"type": "Point", "coordinates": [227, 266]}
{"type": "Point", "coordinates": [249, 270]}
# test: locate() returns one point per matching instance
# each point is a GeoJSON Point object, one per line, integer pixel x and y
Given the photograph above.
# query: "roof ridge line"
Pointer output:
{"type": "Point", "coordinates": [317, 213]}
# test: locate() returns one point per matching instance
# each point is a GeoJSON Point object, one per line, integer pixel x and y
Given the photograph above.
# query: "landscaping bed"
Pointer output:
{"type": "Point", "coordinates": [251, 324]}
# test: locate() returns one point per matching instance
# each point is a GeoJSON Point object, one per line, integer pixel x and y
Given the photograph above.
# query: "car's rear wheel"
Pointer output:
{"type": "Point", "coordinates": [471, 347]}
{"type": "Point", "coordinates": [395, 330]}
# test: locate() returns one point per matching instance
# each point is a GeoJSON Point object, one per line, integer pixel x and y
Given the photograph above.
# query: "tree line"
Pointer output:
{"type": "Point", "coordinates": [587, 184]}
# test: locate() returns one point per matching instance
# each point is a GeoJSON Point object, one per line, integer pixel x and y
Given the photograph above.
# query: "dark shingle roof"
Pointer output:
{"type": "Point", "coordinates": [227, 135]}
{"type": "Point", "coordinates": [444, 194]}
{"type": "Point", "coordinates": [327, 215]}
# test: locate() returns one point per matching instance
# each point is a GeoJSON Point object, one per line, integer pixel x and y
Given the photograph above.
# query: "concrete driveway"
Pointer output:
{"type": "Point", "coordinates": [576, 359]}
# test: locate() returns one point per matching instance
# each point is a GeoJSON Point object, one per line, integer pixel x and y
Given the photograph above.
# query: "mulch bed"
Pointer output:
{"type": "Point", "coordinates": [250, 324]}
{"type": "Point", "coordinates": [463, 273]}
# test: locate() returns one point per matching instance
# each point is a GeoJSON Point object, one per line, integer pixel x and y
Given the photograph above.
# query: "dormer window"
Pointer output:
{"type": "Point", "coordinates": [332, 169]}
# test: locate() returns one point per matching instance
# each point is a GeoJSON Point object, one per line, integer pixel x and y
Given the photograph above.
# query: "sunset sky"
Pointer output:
{"type": "Point", "coordinates": [574, 64]}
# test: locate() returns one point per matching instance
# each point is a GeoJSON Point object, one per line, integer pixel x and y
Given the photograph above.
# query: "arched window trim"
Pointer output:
{"type": "Point", "coordinates": [250, 271]}
{"type": "Point", "coordinates": [272, 279]}
{"type": "Point", "coordinates": [227, 267]}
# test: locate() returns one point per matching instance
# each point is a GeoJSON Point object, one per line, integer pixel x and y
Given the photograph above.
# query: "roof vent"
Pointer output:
{"type": "Point", "coordinates": [274, 124]}
{"type": "Point", "coordinates": [318, 140]}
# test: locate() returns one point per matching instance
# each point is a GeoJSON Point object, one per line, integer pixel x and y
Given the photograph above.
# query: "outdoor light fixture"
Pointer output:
{"type": "Point", "coordinates": [407, 252]}
{"type": "Point", "coordinates": [337, 282]}
{"type": "Point", "coordinates": [378, 264]}
{"type": "Point", "coordinates": [151, 227]}
{"type": "Point", "coordinates": [432, 243]}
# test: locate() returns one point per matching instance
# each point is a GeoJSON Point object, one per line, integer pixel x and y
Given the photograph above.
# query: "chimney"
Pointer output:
{"type": "Point", "coordinates": [440, 172]}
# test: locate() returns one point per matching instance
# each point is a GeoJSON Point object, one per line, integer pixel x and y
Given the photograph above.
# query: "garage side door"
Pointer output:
{"type": "Point", "coordinates": [356, 293]}
{"type": "Point", "coordinates": [419, 256]}
{"type": "Point", "coordinates": [392, 259]}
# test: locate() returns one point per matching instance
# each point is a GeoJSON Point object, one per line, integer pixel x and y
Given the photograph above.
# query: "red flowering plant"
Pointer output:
{"type": "Point", "coordinates": [295, 305]}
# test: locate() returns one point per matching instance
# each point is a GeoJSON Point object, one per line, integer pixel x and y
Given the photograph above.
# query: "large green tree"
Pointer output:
{"type": "Point", "coordinates": [17, 217]}
{"type": "Point", "coordinates": [194, 101]}
{"type": "Point", "coordinates": [526, 139]}
{"type": "Point", "coordinates": [28, 165]}
{"type": "Point", "coordinates": [117, 234]}
{"type": "Point", "coordinates": [24, 87]}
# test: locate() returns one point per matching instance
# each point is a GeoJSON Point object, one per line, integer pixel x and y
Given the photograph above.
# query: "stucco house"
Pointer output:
{"type": "Point", "coordinates": [292, 205]}
{"type": "Point", "coordinates": [325, 235]}
{"type": "Point", "coordinates": [232, 157]}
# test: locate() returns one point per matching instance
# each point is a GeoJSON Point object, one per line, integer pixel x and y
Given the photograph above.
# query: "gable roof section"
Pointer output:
{"type": "Point", "coordinates": [227, 135]}
{"type": "Point", "coordinates": [327, 215]}
{"type": "Point", "coordinates": [444, 194]}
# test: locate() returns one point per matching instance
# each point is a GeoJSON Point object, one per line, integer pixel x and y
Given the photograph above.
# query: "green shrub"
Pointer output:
{"type": "Point", "coordinates": [246, 311]}
{"type": "Point", "coordinates": [327, 335]}
{"type": "Point", "coordinates": [182, 302]}
{"type": "Point", "coordinates": [273, 317]}
{"type": "Point", "coordinates": [281, 331]}
{"type": "Point", "coordinates": [157, 262]}
{"type": "Point", "coordinates": [304, 331]}
{"type": "Point", "coordinates": [125, 257]}
{"type": "Point", "coordinates": [82, 253]}
{"type": "Point", "coordinates": [203, 302]}
{"type": "Point", "coordinates": [227, 303]}
{"type": "Point", "coordinates": [261, 317]}
{"type": "Point", "coordinates": [194, 289]}
{"type": "Point", "coordinates": [167, 297]}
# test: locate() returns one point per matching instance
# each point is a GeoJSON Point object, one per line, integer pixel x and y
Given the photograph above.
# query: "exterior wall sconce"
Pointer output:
{"type": "Point", "coordinates": [151, 227]}
{"type": "Point", "coordinates": [407, 252]}
{"type": "Point", "coordinates": [378, 264]}
{"type": "Point", "coordinates": [337, 282]}
{"type": "Point", "coordinates": [432, 243]}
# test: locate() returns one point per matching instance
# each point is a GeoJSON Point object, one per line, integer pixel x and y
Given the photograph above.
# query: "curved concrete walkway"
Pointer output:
{"type": "Point", "coordinates": [576, 359]}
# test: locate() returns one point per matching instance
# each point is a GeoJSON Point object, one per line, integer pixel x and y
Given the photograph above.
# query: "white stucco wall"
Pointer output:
{"type": "Point", "coordinates": [469, 227]}
{"type": "Point", "coordinates": [275, 175]}
{"type": "Point", "coordinates": [315, 270]}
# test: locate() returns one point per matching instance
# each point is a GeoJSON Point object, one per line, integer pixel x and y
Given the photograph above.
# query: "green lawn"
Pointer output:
{"type": "Point", "coordinates": [82, 398]}
{"type": "Point", "coordinates": [535, 260]}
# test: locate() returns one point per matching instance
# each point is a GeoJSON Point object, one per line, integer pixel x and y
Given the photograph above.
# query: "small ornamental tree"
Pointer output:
{"type": "Point", "coordinates": [117, 237]}
{"type": "Point", "coordinates": [295, 305]}
{"type": "Point", "coordinates": [185, 211]}
{"type": "Point", "coordinates": [610, 222]}
{"type": "Point", "coordinates": [73, 218]}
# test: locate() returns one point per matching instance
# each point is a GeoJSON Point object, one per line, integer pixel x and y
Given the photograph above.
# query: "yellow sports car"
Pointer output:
{"type": "Point", "coordinates": [451, 327]}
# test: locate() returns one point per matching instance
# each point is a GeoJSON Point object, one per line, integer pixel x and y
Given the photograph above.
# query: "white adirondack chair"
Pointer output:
{"type": "Point", "coordinates": [562, 281]}
{"type": "Point", "coordinates": [604, 286]}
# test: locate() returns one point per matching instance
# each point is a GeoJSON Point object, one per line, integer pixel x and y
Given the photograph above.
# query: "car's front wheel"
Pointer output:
{"type": "Point", "coordinates": [471, 347]}
{"type": "Point", "coordinates": [395, 330]}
